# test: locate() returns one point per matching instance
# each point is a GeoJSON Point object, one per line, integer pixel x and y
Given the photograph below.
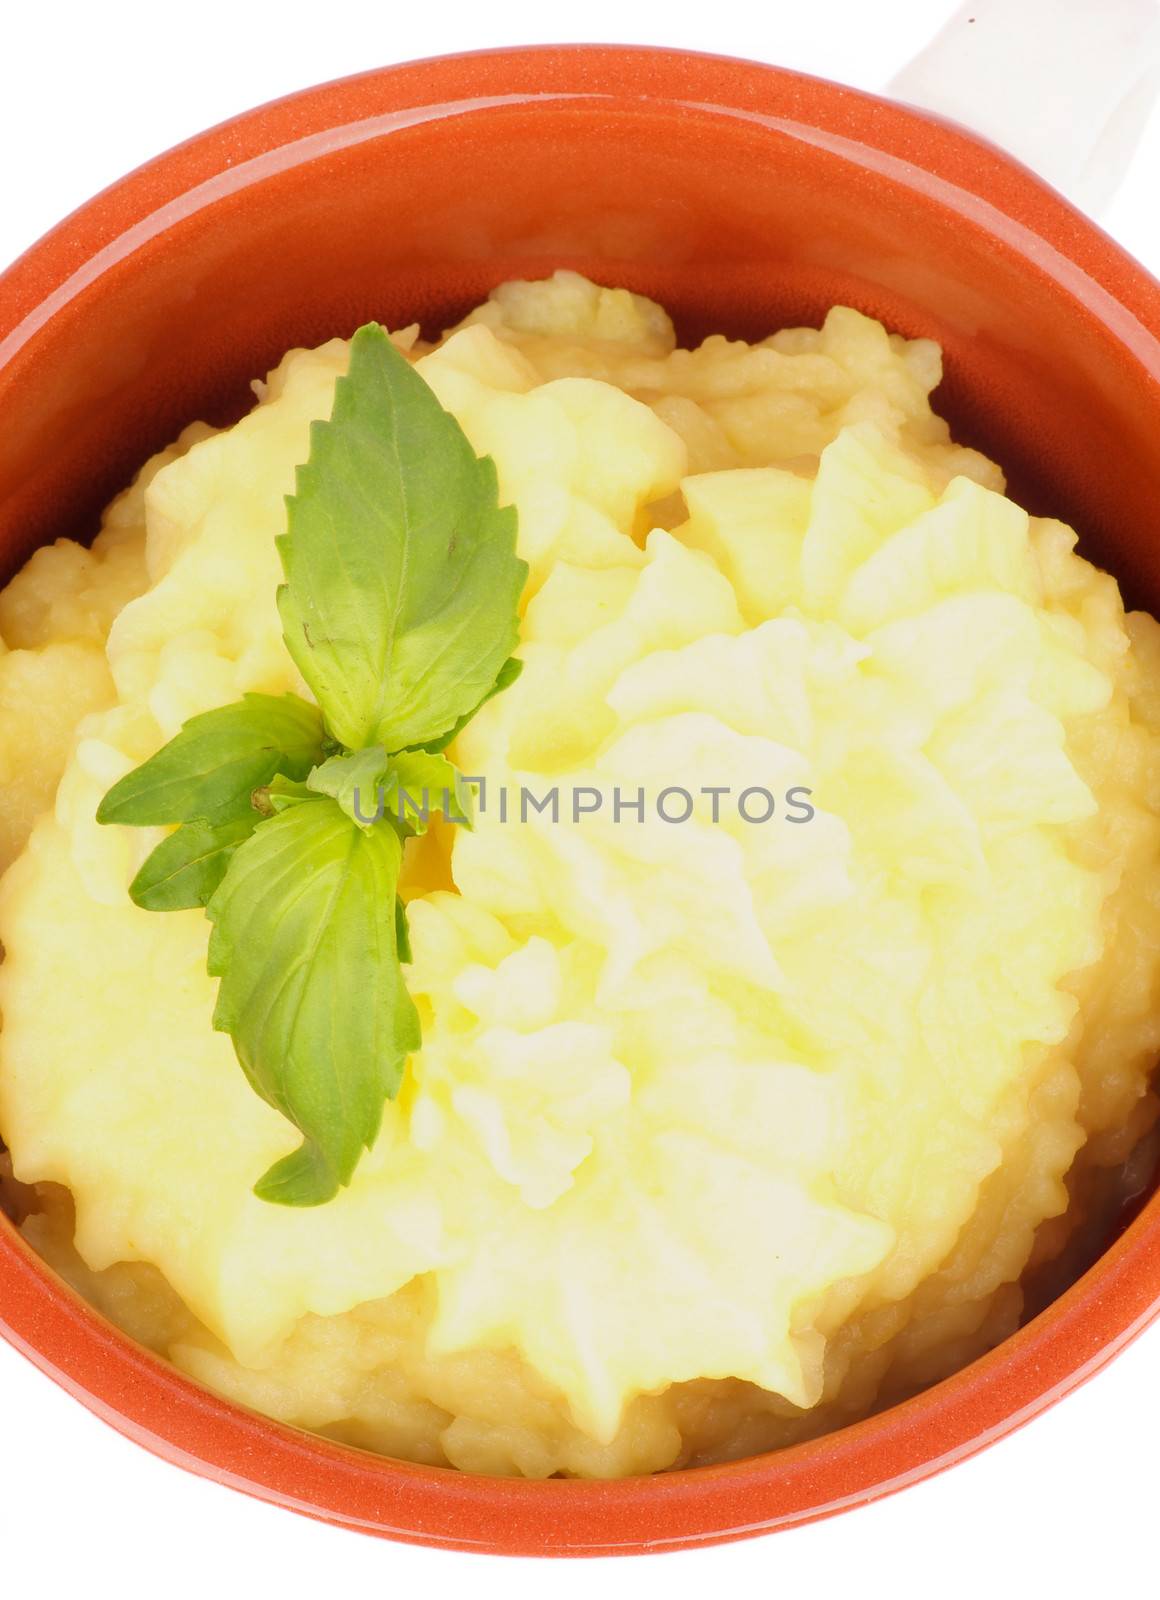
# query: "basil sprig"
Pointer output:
{"type": "Point", "coordinates": [400, 611]}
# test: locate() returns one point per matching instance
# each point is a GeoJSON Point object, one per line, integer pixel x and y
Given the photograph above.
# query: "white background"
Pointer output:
{"type": "Point", "coordinates": [88, 91]}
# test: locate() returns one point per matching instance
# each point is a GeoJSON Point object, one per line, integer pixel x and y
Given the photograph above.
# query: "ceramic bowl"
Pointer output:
{"type": "Point", "coordinates": [745, 198]}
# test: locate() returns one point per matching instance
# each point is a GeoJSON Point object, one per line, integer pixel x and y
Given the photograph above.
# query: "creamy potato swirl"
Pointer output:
{"type": "Point", "coordinates": [721, 1132]}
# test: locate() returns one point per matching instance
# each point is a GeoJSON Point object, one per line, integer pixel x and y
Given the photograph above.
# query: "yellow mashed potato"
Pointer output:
{"type": "Point", "coordinates": [721, 1134]}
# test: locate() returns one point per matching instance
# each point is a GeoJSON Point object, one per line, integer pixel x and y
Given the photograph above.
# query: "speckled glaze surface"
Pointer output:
{"type": "Point", "coordinates": [744, 198]}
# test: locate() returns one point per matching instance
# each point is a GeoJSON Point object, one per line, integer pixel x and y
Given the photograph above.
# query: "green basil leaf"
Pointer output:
{"type": "Point", "coordinates": [402, 932]}
{"type": "Point", "coordinates": [280, 793]}
{"type": "Point", "coordinates": [408, 789]}
{"type": "Point", "coordinates": [402, 581]}
{"type": "Point", "coordinates": [356, 782]}
{"type": "Point", "coordinates": [214, 764]}
{"type": "Point", "coordinates": [311, 986]}
{"type": "Point", "coordinates": [508, 674]}
{"type": "Point", "coordinates": [420, 785]}
{"type": "Point", "coordinates": [186, 868]}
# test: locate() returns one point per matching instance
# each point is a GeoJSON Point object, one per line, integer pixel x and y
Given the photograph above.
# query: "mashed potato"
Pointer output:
{"type": "Point", "coordinates": [722, 1133]}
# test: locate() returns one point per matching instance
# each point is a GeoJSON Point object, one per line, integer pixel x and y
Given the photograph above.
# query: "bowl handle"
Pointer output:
{"type": "Point", "coordinates": [1064, 85]}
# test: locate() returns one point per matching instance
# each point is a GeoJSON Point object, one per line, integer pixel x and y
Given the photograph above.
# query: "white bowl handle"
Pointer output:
{"type": "Point", "coordinates": [1065, 85]}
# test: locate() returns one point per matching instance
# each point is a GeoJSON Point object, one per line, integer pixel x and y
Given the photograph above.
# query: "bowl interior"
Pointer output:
{"type": "Point", "coordinates": [743, 199]}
